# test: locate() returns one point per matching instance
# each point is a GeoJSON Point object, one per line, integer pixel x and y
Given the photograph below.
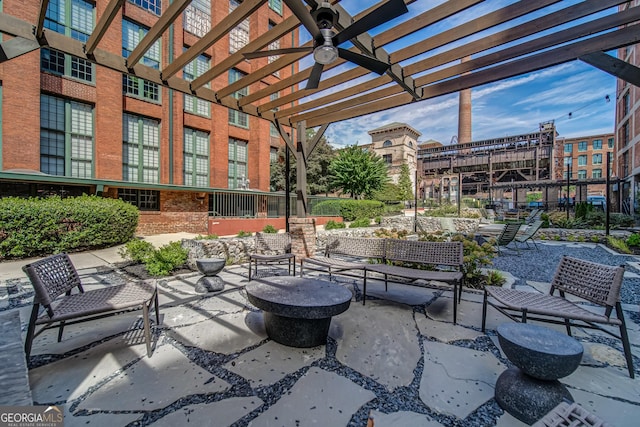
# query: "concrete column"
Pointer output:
{"type": "Point", "coordinates": [303, 237]}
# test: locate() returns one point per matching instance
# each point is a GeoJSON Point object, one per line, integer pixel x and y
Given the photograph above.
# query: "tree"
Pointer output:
{"type": "Point", "coordinates": [358, 172]}
{"type": "Point", "coordinates": [405, 188]}
{"type": "Point", "coordinates": [318, 179]}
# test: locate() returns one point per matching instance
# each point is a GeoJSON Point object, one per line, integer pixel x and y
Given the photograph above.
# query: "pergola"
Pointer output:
{"type": "Point", "coordinates": [497, 43]}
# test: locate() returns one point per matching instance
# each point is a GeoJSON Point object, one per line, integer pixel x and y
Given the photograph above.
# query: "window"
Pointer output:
{"type": "Point", "coordinates": [596, 159]}
{"type": "Point", "coordinates": [153, 6]}
{"type": "Point", "coordinates": [66, 137]}
{"type": "Point", "coordinates": [273, 155]}
{"type": "Point", "coordinates": [626, 104]}
{"type": "Point", "coordinates": [387, 158]}
{"type": "Point", "coordinates": [197, 17]}
{"type": "Point", "coordinates": [568, 161]}
{"type": "Point", "coordinates": [145, 200]}
{"type": "Point", "coordinates": [274, 45]}
{"type": "Point", "coordinates": [582, 146]}
{"type": "Point", "coordinates": [193, 104]}
{"type": "Point", "coordinates": [237, 163]}
{"type": "Point", "coordinates": [610, 142]}
{"type": "Point", "coordinates": [596, 173]}
{"type": "Point", "coordinates": [387, 143]}
{"type": "Point", "coordinates": [568, 148]}
{"type": "Point", "coordinates": [132, 33]}
{"type": "Point", "coordinates": [74, 19]}
{"type": "Point", "coordinates": [238, 118]}
{"type": "Point", "coordinates": [597, 144]}
{"type": "Point", "coordinates": [273, 131]}
{"type": "Point", "coordinates": [582, 174]}
{"type": "Point", "coordinates": [238, 36]}
{"type": "Point", "coordinates": [624, 134]}
{"type": "Point", "coordinates": [141, 149]}
{"type": "Point", "coordinates": [276, 5]}
{"type": "Point", "coordinates": [582, 160]}
{"type": "Point", "coordinates": [196, 158]}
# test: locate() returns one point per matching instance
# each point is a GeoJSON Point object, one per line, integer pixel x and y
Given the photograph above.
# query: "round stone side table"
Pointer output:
{"type": "Point", "coordinates": [541, 356]}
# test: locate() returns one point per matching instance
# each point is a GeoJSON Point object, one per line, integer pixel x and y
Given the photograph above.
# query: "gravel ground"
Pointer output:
{"type": "Point", "coordinates": [539, 265]}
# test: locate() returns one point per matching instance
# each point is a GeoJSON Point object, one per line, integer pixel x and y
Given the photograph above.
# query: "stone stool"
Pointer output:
{"type": "Point", "coordinates": [542, 356]}
{"type": "Point", "coordinates": [210, 282]}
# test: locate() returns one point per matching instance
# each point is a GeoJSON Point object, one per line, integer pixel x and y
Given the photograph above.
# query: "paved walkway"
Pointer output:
{"type": "Point", "coordinates": [398, 359]}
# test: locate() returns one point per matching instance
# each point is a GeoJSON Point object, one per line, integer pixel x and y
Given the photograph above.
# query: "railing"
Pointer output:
{"type": "Point", "coordinates": [251, 204]}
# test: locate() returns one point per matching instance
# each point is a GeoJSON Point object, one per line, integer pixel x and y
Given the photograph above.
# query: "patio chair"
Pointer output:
{"type": "Point", "coordinates": [507, 235]}
{"type": "Point", "coordinates": [272, 248]}
{"type": "Point", "coordinates": [54, 281]}
{"type": "Point", "coordinates": [528, 234]}
{"type": "Point", "coordinates": [598, 284]}
{"type": "Point", "coordinates": [534, 215]}
{"type": "Point", "coordinates": [570, 414]}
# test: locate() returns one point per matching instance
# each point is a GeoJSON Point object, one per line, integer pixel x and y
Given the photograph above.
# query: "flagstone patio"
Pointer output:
{"type": "Point", "coordinates": [398, 360]}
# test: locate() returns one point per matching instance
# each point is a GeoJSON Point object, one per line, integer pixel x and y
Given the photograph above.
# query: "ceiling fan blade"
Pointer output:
{"type": "Point", "coordinates": [364, 61]}
{"type": "Point", "coordinates": [303, 15]}
{"type": "Point", "coordinates": [283, 51]}
{"type": "Point", "coordinates": [314, 78]}
{"type": "Point", "coordinates": [386, 12]}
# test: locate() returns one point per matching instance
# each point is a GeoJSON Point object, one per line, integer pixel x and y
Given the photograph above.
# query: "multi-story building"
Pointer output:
{"type": "Point", "coordinates": [71, 127]}
{"type": "Point", "coordinates": [397, 144]}
{"type": "Point", "coordinates": [627, 148]}
{"type": "Point", "coordinates": [586, 158]}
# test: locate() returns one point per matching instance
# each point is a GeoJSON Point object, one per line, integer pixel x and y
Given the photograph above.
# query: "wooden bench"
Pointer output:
{"type": "Point", "coordinates": [444, 260]}
{"type": "Point", "coordinates": [357, 256]}
{"type": "Point", "coordinates": [346, 256]}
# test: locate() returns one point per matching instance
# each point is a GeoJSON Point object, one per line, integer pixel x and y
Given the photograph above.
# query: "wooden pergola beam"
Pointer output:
{"type": "Point", "coordinates": [103, 24]}
{"type": "Point", "coordinates": [614, 66]}
{"type": "Point", "coordinates": [230, 21]}
{"type": "Point", "coordinates": [155, 32]}
{"type": "Point", "coordinates": [42, 14]}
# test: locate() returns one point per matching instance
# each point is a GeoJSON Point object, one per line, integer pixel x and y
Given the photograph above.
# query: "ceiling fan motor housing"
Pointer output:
{"type": "Point", "coordinates": [326, 53]}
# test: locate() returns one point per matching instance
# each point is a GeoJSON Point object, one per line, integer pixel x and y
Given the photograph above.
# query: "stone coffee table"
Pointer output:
{"type": "Point", "coordinates": [297, 311]}
{"type": "Point", "coordinates": [541, 356]}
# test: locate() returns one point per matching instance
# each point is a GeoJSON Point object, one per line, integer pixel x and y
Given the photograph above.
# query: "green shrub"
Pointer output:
{"type": "Point", "coordinates": [378, 220]}
{"type": "Point", "coordinates": [137, 250]}
{"type": "Point", "coordinates": [618, 244]}
{"type": "Point", "coordinates": [207, 237]}
{"type": "Point", "coordinates": [243, 233]}
{"type": "Point", "coordinates": [360, 222]}
{"type": "Point", "coordinates": [43, 226]}
{"type": "Point", "coordinates": [618, 220]}
{"type": "Point", "coordinates": [394, 233]}
{"type": "Point", "coordinates": [445, 209]}
{"type": "Point", "coordinates": [633, 240]}
{"type": "Point", "coordinates": [349, 209]}
{"type": "Point", "coordinates": [269, 229]}
{"type": "Point", "coordinates": [333, 225]}
{"type": "Point", "coordinates": [166, 259]}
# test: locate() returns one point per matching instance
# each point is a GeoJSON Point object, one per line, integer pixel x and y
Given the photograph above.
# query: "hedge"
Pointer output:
{"type": "Point", "coordinates": [43, 226]}
{"type": "Point", "coordinates": [350, 209]}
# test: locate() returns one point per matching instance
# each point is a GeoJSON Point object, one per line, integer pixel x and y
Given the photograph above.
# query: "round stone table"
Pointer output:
{"type": "Point", "coordinates": [297, 311]}
{"type": "Point", "coordinates": [541, 356]}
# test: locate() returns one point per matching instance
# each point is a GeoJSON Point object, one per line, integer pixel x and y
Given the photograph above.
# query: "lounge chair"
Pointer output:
{"type": "Point", "coordinates": [508, 235]}
{"type": "Point", "coordinates": [528, 234]}
{"type": "Point", "coordinates": [598, 284]}
{"type": "Point", "coordinates": [272, 248]}
{"type": "Point", "coordinates": [54, 281]}
{"type": "Point", "coordinates": [534, 215]}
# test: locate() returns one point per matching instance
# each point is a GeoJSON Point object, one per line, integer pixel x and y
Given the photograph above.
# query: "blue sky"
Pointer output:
{"type": "Point", "coordinates": [573, 94]}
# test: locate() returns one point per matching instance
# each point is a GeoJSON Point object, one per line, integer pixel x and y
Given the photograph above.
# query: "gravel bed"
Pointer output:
{"type": "Point", "coordinates": [539, 265]}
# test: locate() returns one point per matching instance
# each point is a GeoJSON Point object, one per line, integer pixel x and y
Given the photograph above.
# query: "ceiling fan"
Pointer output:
{"type": "Point", "coordinates": [320, 21]}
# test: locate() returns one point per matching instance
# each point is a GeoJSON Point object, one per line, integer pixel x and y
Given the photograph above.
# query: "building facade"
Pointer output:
{"type": "Point", "coordinates": [627, 148]}
{"type": "Point", "coordinates": [586, 158]}
{"type": "Point", "coordinates": [70, 127]}
{"type": "Point", "coordinates": [397, 144]}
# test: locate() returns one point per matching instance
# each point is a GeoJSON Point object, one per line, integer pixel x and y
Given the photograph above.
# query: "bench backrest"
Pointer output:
{"type": "Point", "coordinates": [591, 281]}
{"type": "Point", "coordinates": [508, 233]}
{"type": "Point", "coordinates": [272, 243]}
{"type": "Point", "coordinates": [361, 247]}
{"type": "Point", "coordinates": [52, 277]}
{"type": "Point", "coordinates": [434, 253]}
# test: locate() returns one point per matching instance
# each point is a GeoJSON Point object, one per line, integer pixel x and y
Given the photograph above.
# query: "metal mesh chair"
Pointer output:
{"type": "Point", "coordinates": [596, 283]}
{"type": "Point", "coordinates": [508, 235]}
{"type": "Point", "coordinates": [528, 234]}
{"type": "Point", "coordinates": [272, 248]}
{"type": "Point", "coordinates": [54, 281]}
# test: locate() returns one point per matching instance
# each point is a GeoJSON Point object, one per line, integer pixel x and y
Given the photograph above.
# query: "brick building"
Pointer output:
{"type": "Point", "coordinates": [586, 159]}
{"type": "Point", "coordinates": [71, 127]}
{"type": "Point", "coordinates": [627, 148]}
{"type": "Point", "coordinates": [397, 144]}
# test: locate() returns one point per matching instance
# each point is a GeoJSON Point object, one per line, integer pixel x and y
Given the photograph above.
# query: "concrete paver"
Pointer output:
{"type": "Point", "coordinates": [221, 363]}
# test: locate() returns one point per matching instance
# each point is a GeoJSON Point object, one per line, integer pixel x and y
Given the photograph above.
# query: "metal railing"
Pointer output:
{"type": "Point", "coordinates": [251, 204]}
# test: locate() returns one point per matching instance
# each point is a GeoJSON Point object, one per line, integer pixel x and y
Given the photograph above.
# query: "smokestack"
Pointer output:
{"type": "Point", "coordinates": [464, 112]}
